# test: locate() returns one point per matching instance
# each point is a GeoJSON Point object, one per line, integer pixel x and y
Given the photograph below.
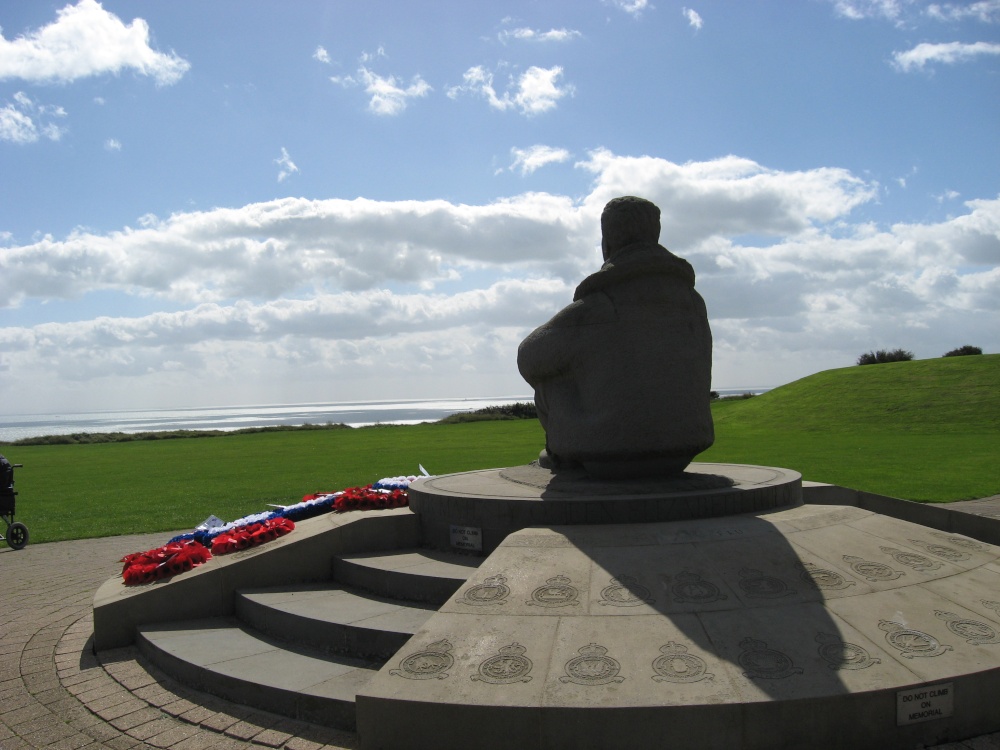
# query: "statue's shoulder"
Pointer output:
{"type": "Point", "coordinates": [642, 260]}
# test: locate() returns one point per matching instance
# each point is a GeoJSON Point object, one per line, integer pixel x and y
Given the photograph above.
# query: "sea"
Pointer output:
{"type": "Point", "coordinates": [353, 413]}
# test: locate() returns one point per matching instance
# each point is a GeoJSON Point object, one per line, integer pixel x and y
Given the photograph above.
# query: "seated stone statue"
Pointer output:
{"type": "Point", "coordinates": [622, 376]}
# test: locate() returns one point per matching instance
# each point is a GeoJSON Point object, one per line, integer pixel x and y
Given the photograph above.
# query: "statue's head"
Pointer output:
{"type": "Point", "coordinates": [626, 221]}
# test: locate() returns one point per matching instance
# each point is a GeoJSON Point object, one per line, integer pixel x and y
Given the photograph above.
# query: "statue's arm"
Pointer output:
{"type": "Point", "coordinates": [551, 349]}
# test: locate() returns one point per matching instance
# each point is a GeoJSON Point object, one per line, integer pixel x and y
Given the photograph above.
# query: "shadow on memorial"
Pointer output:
{"type": "Point", "coordinates": [729, 604]}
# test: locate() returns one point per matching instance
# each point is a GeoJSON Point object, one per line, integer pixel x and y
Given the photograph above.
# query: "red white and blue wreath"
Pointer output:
{"type": "Point", "coordinates": [216, 537]}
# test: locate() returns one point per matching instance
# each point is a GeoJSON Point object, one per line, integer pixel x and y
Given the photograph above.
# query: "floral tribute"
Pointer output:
{"type": "Point", "coordinates": [251, 535]}
{"type": "Point", "coordinates": [185, 551]}
{"type": "Point", "coordinates": [168, 560]}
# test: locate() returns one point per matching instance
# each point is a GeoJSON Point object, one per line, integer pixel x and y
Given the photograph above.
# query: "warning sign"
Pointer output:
{"type": "Point", "coordinates": [925, 703]}
{"type": "Point", "coordinates": [467, 537]}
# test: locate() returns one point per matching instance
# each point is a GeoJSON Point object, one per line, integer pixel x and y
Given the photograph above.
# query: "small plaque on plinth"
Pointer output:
{"type": "Point", "coordinates": [467, 537]}
{"type": "Point", "coordinates": [925, 703]}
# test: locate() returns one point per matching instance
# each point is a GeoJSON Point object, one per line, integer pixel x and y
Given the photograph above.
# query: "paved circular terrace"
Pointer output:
{"type": "Point", "coordinates": [55, 694]}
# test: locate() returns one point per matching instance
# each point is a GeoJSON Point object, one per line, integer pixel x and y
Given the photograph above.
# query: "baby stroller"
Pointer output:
{"type": "Point", "coordinates": [17, 533]}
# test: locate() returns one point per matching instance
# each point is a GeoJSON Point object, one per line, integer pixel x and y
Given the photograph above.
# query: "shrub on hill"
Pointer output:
{"type": "Point", "coordinates": [87, 438]}
{"type": "Point", "coordinates": [519, 410]}
{"type": "Point", "coordinates": [882, 356]}
{"type": "Point", "coordinates": [963, 351]}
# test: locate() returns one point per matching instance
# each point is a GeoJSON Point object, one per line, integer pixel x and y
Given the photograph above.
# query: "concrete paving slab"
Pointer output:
{"type": "Point", "coordinates": [799, 651]}
{"type": "Point", "coordinates": [205, 644]}
{"type": "Point", "coordinates": [283, 669]}
{"type": "Point", "coordinates": [928, 542]}
{"type": "Point", "coordinates": [636, 661]}
{"type": "Point", "coordinates": [335, 606]}
{"type": "Point", "coordinates": [906, 624]}
{"type": "Point", "coordinates": [977, 590]}
{"type": "Point", "coordinates": [490, 660]}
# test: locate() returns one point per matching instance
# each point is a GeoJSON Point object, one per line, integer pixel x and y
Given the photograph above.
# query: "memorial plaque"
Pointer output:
{"type": "Point", "coordinates": [925, 703]}
{"type": "Point", "coordinates": [467, 537]}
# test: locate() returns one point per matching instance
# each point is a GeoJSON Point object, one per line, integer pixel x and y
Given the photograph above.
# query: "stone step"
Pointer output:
{"type": "Point", "coordinates": [332, 619]}
{"type": "Point", "coordinates": [223, 657]}
{"type": "Point", "coordinates": [416, 575]}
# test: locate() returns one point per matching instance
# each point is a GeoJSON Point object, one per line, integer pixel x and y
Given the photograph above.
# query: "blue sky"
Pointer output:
{"type": "Point", "coordinates": [228, 203]}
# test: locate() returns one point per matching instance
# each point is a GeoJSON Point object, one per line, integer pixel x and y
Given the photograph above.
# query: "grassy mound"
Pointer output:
{"type": "Point", "coordinates": [930, 396]}
{"type": "Point", "coordinates": [926, 430]}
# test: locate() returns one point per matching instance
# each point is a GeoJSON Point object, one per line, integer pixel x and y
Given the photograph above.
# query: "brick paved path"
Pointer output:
{"type": "Point", "coordinates": [55, 694]}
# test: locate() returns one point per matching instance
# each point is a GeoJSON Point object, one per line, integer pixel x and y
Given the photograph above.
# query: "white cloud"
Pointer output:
{"type": "Point", "coordinates": [16, 126]}
{"type": "Point", "coordinates": [25, 120]}
{"type": "Point", "coordinates": [947, 53]}
{"type": "Point", "coordinates": [388, 95]}
{"type": "Point", "coordinates": [985, 11]}
{"type": "Point", "coordinates": [266, 250]}
{"type": "Point", "coordinates": [532, 35]}
{"type": "Point", "coordinates": [728, 197]}
{"type": "Point", "coordinates": [328, 294]}
{"type": "Point", "coordinates": [693, 19]}
{"type": "Point", "coordinates": [286, 164]}
{"type": "Point", "coordinates": [86, 40]}
{"type": "Point", "coordinates": [113, 144]}
{"type": "Point", "coordinates": [527, 160]}
{"type": "Point", "coordinates": [322, 55]}
{"type": "Point", "coordinates": [632, 7]}
{"type": "Point", "coordinates": [535, 91]}
{"type": "Point", "coordinates": [857, 10]}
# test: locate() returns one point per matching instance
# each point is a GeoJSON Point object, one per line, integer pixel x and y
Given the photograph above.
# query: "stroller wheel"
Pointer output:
{"type": "Point", "coordinates": [17, 536]}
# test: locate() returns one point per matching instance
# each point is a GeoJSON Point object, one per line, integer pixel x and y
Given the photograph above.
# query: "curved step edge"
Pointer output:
{"type": "Point", "coordinates": [223, 658]}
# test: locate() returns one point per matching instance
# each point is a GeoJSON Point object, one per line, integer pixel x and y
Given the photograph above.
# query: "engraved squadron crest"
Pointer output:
{"type": "Point", "coordinates": [510, 665]}
{"type": "Point", "coordinates": [760, 661]}
{"type": "Point", "coordinates": [692, 588]}
{"type": "Point", "coordinates": [432, 663]}
{"type": "Point", "coordinates": [624, 591]}
{"type": "Point", "coordinates": [755, 584]}
{"type": "Point", "coordinates": [493, 590]}
{"type": "Point", "coordinates": [592, 667]}
{"type": "Point", "coordinates": [911, 559]}
{"type": "Point", "coordinates": [912, 643]}
{"type": "Point", "coordinates": [942, 550]}
{"type": "Point", "coordinates": [973, 631]}
{"type": "Point", "coordinates": [995, 606]}
{"type": "Point", "coordinates": [675, 664]}
{"type": "Point", "coordinates": [872, 571]}
{"type": "Point", "coordinates": [958, 541]}
{"type": "Point", "coordinates": [840, 654]}
{"type": "Point", "coordinates": [556, 592]}
{"type": "Point", "coordinates": [823, 578]}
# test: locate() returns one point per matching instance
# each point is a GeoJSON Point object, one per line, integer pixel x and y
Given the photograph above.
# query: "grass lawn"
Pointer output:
{"type": "Point", "coordinates": [79, 491]}
{"type": "Point", "coordinates": [926, 430]}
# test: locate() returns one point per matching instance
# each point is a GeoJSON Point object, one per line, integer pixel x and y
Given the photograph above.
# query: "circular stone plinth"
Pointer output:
{"type": "Point", "coordinates": [493, 503]}
{"type": "Point", "coordinates": [818, 626]}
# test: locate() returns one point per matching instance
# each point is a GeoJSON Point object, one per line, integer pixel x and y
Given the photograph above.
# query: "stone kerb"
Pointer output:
{"type": "Point", "coordinates": [939, 517]}
{"type": "Point", "coordinates": [306, 555]}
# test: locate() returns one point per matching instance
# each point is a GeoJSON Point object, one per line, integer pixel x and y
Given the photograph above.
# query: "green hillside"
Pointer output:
{"type": "Point", "coordinates": [950, 394]}
{"type": "Point", "coordinates": [925, 430]}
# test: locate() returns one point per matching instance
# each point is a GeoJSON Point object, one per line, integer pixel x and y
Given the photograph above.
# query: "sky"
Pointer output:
{"type": "Point", "coordinates": [231, 203]}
